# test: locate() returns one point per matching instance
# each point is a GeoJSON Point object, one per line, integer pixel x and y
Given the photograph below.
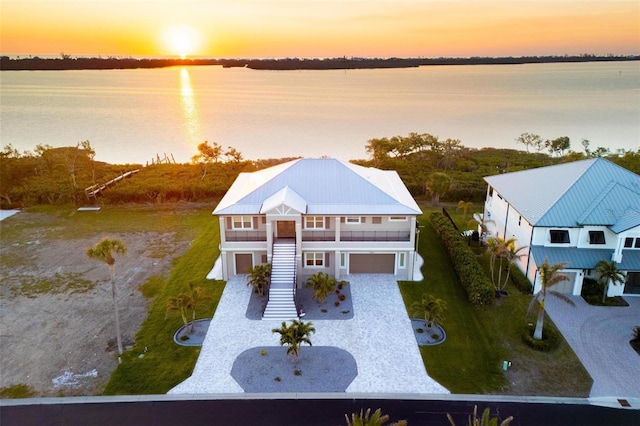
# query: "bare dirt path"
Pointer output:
{"type": "Point", "coordinates": [57, 327]}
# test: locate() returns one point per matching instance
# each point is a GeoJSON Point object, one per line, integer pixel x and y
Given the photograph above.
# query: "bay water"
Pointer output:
{"type": "Point", "coordinates": [130, 116]}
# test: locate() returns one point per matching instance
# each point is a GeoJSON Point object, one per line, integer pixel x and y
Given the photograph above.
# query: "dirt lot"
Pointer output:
{"type": "Point", "coordinates": [57, 326]}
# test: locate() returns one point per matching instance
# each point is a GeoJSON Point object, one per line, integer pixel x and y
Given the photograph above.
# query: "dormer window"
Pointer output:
{"type": "Point", "coordinates": [559, 236]}
{"type": "Point", "coordinates": [596, 237]}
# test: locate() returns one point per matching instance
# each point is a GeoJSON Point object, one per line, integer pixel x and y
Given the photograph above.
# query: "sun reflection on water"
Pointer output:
{"type": "Point", "coordinates": [190, 114]}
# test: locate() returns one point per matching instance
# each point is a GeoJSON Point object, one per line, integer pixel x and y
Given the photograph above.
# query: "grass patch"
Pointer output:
{"type": "Point", "coordinates": [166, 364]}
{"type": "Point", "coordinates": [480, 338]}
{"type": "Point", "coordinates": [152, 286]}
{"type": "Point", "coordinates": [61, 283]}
{"type": "Point", "coordinates": [17, 391]}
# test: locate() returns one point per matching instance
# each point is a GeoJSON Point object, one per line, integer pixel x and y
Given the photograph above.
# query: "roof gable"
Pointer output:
{"type": "Point", "coordinates": [327, 186]}
{"type": "Point", "coordinates": [587, 192]}
{"type": "Point", "coordinates": [283, 202]}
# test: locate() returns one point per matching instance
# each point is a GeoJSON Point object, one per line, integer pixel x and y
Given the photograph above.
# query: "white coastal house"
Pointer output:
{"type": "Point", "coordinates": [579, 213]}
{"type": "Point", "coordinates": [316, 215]}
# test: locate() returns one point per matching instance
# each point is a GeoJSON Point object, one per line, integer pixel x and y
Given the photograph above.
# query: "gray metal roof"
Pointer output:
{"type": "Point", "coordinates": [328, 186]}
{"type": "Point", "coordinates": [587, 192]}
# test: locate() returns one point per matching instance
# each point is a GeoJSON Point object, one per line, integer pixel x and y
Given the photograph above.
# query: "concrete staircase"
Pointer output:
{"type": "Point", "coordinates": [282, 305]}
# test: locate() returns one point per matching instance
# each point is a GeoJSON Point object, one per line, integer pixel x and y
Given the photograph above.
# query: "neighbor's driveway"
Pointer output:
{"type": "Point", "coordinates": [599, 335]}
{"type": "Point", "coordinates": [379, 337]}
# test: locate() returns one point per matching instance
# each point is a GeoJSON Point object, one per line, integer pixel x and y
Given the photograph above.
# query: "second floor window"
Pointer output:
{"type": "Point", "coordinates": [242, 222]}
{"type": "Point", "coordinates": [559, 236]}
{"type": "Point", "coordinates": [596, 237]}
{"type": "Point", "coordinates": [314, 222]}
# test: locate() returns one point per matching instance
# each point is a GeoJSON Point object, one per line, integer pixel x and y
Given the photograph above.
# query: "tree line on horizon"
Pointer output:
{"type": "Point", "coordinates": [444, 170]}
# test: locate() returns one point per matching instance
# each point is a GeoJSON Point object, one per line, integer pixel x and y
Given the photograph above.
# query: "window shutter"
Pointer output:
{"type": "Point", "coordinates": [327, 222]}
{"type": "Point", "coordinates": [376, 220]}
{"type": "Point", "coordinates": [327, 256]}
{"type": "Point", "coordinates": [342, 219]}
{"type": "Point", "coordinates": [363, 219]}
{"type": "Point", "coordinates": [264, 258]}
{"type": "Point", "coordinates": [255, 222]}
{"type": "Point", "coordinates": [264, 220]}
{"type": "Point", "coordinates": [228, 223]}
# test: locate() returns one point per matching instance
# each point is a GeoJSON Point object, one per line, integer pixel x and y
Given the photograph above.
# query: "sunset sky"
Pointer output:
{"type": "Point", "coordinates": [318, 28]}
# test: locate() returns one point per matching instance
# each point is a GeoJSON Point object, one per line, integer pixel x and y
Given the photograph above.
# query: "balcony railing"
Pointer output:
{"type": "Point", "coordinates": [357, 236]}
{"type": "Point", "coordinates": [318, 236]}
{"type": "Point", "coordinates": [375, 236]}
{"type": "Point", "coordinates": [233, 236]}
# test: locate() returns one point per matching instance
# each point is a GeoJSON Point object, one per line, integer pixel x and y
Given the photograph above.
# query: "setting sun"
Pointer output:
{"type": "Point", "coordinates": [181, 40]}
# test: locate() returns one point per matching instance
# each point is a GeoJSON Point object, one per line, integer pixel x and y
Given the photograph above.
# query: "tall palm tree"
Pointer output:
{"type": "Point", "coordinates": [549, 276]}
{"type": "Point", "coordinates": [512, 255]}
{"type": "Point", "coordinates": [103, 252]}
{"type": "Point", "coordinates": [608, 272]}
{"type": "Point", "coordinates": [294, 336]}
{"type": "Point", "coordinates": [502, 250]}
{"type": "Point", "coordinates": [430, 308]}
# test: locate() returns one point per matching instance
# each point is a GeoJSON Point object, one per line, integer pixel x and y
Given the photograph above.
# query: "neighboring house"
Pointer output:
{"type": "Point", "coordinates": [578, 213]}
{"type": "Point", "coordinates": [325, 215]}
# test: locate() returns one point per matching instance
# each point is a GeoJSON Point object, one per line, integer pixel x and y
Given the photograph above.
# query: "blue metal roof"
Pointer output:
{"type": "Point", "coordinates": [630, 260]}
{"type": "Point", "coordinates": [587, 192]}
{"type": "Point", "coordinates": [328, 186]}
{"type": "Point", "coordinates": [575, 258]}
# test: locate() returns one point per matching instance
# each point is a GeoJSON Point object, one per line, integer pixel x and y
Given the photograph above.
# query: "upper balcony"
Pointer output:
{"type": "Point", "coordinates": [357, 236]}
{"type": "Point", "coordinates": [250, 235]}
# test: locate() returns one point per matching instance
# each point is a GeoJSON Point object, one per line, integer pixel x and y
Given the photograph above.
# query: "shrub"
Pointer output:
{"type": "Point", "coordinates": [263, 352]}
{"type": "Point", "coordinates": [550, 339]}
{"type": "Point", "coordinates": [520, 280]}
{"type": "Point", "coordinates": [480, 290]}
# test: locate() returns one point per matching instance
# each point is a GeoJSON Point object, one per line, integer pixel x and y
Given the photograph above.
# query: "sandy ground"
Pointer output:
{"type": "Point", "coordinates": [62, 342]}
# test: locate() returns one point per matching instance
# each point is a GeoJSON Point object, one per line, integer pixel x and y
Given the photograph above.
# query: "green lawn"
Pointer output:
{"type": "Point", "coordinates": [479, 339]}
{"type": "Point", "coordinates": [165, 364]}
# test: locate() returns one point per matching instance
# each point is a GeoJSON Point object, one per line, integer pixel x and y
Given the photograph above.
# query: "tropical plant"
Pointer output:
{"type": "Point", "coordinates": [322, 285]}
{"type": "Point", "coordinates": [184, 303]}
{"type": "Point", "coordinates": [259, 278]}
{"type": "Point", "coordinates": [365, 418]}
{"type": "Point", "coordinates": [503, 251]}
{"type": "Point", "coordinates": [465, 206]}
{"type": "Point", "coordinates": [608, 273]}
{"type": "Point", "coordinates": [431, 309]}
{"type": "Point", "coordinates": [294, 335]}
{"type": "Point", "coordinates": [485, 420]}
{"type": "Point", "coordinates": [102, 251]}
{"type": "Point", "coordinates": [549, 276]}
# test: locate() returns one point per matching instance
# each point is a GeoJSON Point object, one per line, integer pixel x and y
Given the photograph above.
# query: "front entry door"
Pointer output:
{"type": "Point", "coordinates": [286, 228]}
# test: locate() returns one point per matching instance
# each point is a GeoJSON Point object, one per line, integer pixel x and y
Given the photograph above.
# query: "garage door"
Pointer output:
{"type": "Point", "coordinates": [565, 287]}
{"type": "Point", "coordinates": [371, 263]}
{"type": "Point", "coordinates": [244, 261]}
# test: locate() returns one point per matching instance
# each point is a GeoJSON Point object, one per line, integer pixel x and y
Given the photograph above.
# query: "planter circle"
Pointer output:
{"type": "Point", "coordinates": [196, 337]}
{"type": "Point", "coordinates": [425, 338]}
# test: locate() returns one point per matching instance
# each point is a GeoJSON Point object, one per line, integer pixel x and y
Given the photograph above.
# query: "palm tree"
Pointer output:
{"type": "Point", "coordinates": [103, 252]}
{"type": "Point", "coordinates": [485, 420]}
{"type": "Point", "coordinates": [294, 336]}
{"type": "Point", "coordinates": [464, 206]}
{"type": "Point", "coordinates": [431, 309]}
{"type": "Point", "coordinates": [259, 277]}
{"type": "Point", "coordinates": [183, 303]}
{"type": "Point", "coordinates": [549, 277]}
{"type": "Point", "coordinates": [608, 272]}
{"type": "Point", "coordinates": [322, 285]}
{"type": "Point", "coordinates": [504, 250]}
{"type": "Point", "coordinates": [366, 419]}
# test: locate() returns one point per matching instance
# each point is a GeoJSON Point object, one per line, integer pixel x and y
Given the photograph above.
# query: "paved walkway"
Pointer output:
{"type": "Point", "coordinates": [380, 338]}
{"type": "Point", "coordinates": [600, 337]}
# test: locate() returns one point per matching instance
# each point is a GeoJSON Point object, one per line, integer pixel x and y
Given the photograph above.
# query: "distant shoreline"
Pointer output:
{"type": "Point", "coordinates": [97, 63]}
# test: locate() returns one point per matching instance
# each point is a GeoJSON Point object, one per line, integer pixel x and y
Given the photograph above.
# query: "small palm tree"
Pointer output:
{"type": "Point", "coordinates": [608, 273]}
{"type": "Point", "coordinates": [294, 336]}
{"type": "Point", "coordinates": [259, 278]}
{"type": "Point", "coordinates": [502, 250]}
{"type": "Point", "coordinates": [549, 277]}
{"type": "Point", "coordinates": [485, 420]}
{"type": "Point", "coordinates": [366, 419]}
{"type": "Point", "coordinates": [431, 309]}
{"type": "Point", "coordinates": [322, 285]}
{"type": "Point", "coordinates": [183, 303]}
{"type": "Point", "coordinates": [103, 252]}
{"type": "Point", "coordinates": [465, 206]}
